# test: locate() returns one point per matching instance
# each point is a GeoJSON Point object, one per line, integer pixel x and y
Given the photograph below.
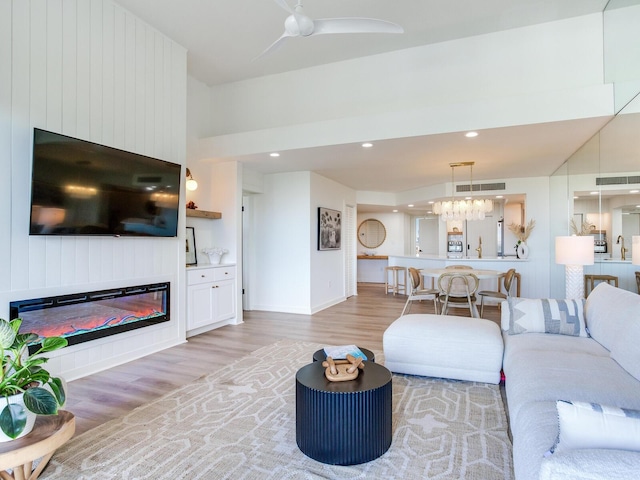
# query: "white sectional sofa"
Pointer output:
{"type": "Point", "coordinates": [554, 353]}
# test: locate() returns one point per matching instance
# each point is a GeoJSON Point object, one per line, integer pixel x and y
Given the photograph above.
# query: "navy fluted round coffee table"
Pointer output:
{"type": "Point", "coordinates": [343, 423]}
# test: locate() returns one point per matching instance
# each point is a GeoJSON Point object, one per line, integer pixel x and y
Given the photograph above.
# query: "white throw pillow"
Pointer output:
{"type": "Point", "coordinates": [590, 425]}
{"type": "Point", "coordinates": [543, 315]}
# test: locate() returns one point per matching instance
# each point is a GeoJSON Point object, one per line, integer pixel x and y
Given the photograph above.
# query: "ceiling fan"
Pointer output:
{"type": "Point", "coordinates": [298, 24]}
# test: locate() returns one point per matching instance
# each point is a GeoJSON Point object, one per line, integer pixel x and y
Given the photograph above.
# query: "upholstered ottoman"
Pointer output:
{"type": "Point", "coordinates": [447, 346]}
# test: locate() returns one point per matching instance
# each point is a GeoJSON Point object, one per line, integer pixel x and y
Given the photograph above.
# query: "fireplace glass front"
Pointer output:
{"type": "Point", "coordinates": [87, 316]}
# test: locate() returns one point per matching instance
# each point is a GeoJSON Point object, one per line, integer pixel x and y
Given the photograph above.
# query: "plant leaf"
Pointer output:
{"type": "Point", "coordinates": [15, 324]}
{"type": "Point", "coordinates": [40, 401]}
{"type": "Point", "coordinates": [7, 334]}
{"type": "Point", "coordinates": [13, 419]}
{"type": "Point", "coordinates": [53, 343]}
{"type": "Point", "coordinates": [58, 390]}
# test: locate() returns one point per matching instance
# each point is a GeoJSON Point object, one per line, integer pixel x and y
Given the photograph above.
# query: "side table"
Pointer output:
{"type": "Point", "coordinates": [49, 433]}
{"type": "Point", "coordinates": [343, 423]}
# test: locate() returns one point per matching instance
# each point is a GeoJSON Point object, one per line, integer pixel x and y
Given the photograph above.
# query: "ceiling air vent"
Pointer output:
{"type": "Point", "coordinates": [616, 180]}
{"type": "Point", "coordinates": [481, 187]}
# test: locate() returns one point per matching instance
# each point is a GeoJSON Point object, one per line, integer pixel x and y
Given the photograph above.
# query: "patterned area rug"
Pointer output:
{"type": "Point", "coordinates": [239, 423]}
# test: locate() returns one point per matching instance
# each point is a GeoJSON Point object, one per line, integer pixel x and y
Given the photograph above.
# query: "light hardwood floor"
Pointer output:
{"type": "Point", "coordinates": [361, 319]}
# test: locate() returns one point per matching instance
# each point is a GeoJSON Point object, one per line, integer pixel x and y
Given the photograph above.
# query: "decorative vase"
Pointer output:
{"type": "Point", "coordinates": [523, 250]}
{"type": "Point", "coordinates": [31, 417]}
{"type": "Point", "coordinates": [214, 258]}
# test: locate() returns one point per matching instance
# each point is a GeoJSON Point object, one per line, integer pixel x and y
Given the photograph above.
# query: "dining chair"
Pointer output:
{"type": "Point", "coordinates": [507, 281]}
{"type": "Point", "coordinates": [638, 281]}
{"type": "Point", "coordinates": [458, 290]}
{"type": "Point", "coordinates": [418, 293]}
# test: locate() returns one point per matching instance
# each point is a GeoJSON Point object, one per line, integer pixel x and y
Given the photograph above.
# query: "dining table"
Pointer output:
{"type": "Point", "coordinates": [483, 274]}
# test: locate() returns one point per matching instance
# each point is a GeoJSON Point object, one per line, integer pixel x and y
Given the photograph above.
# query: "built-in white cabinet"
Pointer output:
{"type": "Point", "coordinates": [211, 297]}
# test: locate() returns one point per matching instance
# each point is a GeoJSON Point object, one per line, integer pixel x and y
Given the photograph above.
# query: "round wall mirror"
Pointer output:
{"type": "Point", "coordinates": [371, 233]}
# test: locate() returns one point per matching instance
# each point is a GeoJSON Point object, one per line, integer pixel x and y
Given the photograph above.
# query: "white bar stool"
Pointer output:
{"type": "Point", "coordinates": [395, 286]}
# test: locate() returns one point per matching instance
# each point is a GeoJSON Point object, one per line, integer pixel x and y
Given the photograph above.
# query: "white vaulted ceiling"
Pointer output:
{"type": "Point", "coordinates": [224, 37]}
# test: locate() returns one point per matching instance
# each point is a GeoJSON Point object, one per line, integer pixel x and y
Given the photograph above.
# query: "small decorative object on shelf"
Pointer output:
{"type": "Point", "coordinates": [522, 232]}
{"type": "Point", "coordinates": [342, 370]}
{"type": "Point", "coordinates": [215, 254]}
{"type": "Point", "coordinates": [191, 205]}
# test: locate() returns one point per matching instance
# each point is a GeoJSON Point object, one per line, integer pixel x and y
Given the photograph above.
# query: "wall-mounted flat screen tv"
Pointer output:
{"type": "Point", "coordinates": [83, 188]}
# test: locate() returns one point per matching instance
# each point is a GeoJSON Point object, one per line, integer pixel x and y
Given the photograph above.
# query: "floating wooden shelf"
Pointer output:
{"type": "Point", "coordinates": [203, 214]}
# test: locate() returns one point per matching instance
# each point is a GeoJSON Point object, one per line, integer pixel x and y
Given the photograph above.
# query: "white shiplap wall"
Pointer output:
{"type": "Point", "coordinates": [87, 69]}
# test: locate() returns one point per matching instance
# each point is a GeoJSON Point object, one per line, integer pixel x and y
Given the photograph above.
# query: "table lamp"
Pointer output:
{"type": "Point", "coordinates": [635, 250]}
{"type": "Point", "coordinates": [573, 252]}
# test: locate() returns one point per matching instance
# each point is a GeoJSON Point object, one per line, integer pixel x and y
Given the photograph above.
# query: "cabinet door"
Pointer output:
{"type": "Point", "coordinates": [201, 306]}
{"type": "Point", "coordinates": [225, 300]}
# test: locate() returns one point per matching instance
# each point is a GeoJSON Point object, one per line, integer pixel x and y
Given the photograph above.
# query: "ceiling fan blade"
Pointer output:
{"type": "Point", "coordinates": [284, 5]}
{"type": "Point", "coordinates": [274, 46]}
{"type": "Point", "coordinates": [355, 25]}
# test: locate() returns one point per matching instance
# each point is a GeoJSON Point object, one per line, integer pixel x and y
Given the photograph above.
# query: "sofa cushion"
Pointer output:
{"type": "Point", "coordinates": [516, 346]}
{"type": "Point", "coordinates": [591, 464]}
{"type": "Point", "coordinates": [542, 315]}
{"type": "Point", "coordinates": [591, 425]}
{"type": "Point", "coordinates": [607, 311]}
{"type": "Point", "coordinates": [625, 348]}
{"type": "Point", "coordinates": [563, 372]}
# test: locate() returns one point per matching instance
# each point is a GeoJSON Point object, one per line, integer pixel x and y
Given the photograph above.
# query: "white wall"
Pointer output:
{"type": "Point", "coordinates": [328, 282]}
{"type": "Point", "coordinates": [282, 251]}
{"type": "Point", "coordinates": [288, 273]}
{"type": "Point", "coordinates": [91, 70]}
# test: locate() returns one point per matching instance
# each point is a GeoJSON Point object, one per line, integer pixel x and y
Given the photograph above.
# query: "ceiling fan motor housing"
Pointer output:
{"type": "Point", "coordinates": [297, 24]}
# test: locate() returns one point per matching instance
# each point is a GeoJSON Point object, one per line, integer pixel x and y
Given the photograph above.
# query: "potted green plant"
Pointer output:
{"type": "Point", "coordinates": [27, 388]}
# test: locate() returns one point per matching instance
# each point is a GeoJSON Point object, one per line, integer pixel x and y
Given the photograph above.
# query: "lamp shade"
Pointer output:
{"type": "Point", "coordinates": [575, 250]}
{"type": "Point", "coordinates": [635, 249]}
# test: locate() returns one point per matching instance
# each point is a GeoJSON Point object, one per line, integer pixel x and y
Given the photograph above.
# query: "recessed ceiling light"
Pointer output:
{"type": "Point", "coordinates": [594, 193]}
{"type": "Point", "coordinates": [367, 145]}
{"type": "Point", "coordinates": [274, 154]}
{"type": "Point", "coordinates": [395, 211]}
{"type": "Point", "coordinates": [634, 191]}
{"type": "Point", "coordinates": [499, 196]}
{"type": "Point", "coordinates": [471, 134]}
{"type": "Point", "coordinates": [431, 202]}
{"type": "Point", "coordinates": [410, 205]}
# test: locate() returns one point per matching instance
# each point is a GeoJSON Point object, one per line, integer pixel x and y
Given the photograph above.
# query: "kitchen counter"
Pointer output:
{"type": "Point", "coordinates": [611, 260]}
{"type": "Point", "coordinates": [444, 258]}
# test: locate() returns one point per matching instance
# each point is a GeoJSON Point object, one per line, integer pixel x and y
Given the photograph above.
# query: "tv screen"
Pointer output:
{"type": "Point", "coordinates": [83, 188]}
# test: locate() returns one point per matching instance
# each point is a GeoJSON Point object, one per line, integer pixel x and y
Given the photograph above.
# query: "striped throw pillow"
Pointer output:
{"type": "Point", "coordinates": [544, 315]}
{"type": "Point", "coordinates": [591, 425]}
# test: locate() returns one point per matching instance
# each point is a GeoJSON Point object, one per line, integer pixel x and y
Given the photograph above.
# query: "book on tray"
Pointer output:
{"type": "Point", "coordinates": [341, 351]}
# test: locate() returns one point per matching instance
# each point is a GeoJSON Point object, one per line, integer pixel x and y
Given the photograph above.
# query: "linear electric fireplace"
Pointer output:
{"type": "Point", "coordinates": [82, 317]}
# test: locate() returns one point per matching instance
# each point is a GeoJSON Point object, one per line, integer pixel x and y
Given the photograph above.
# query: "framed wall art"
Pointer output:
{"type": "Point", "coordinates": [329, 229]}
{"type": "Point", "coordinates": [191, 257]}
